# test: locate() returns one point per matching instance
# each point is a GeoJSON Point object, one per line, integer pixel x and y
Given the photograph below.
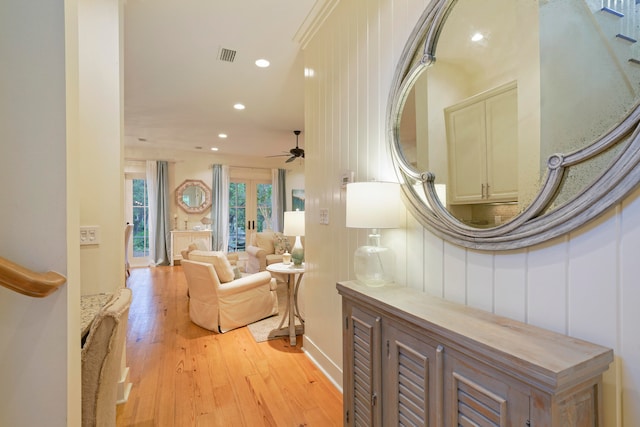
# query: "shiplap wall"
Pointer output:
{"type": "Point", "coordinates": [584, 284]}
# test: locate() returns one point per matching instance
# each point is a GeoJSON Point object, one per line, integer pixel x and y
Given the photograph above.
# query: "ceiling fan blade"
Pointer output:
{"type": "Point", "coordinates": [279, 155]}
{"type": "Point", "coordinates": [290, 159]}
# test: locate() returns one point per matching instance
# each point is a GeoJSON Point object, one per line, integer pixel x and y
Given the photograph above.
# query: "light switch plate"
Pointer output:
{"type": "Point", "coordinates": [324, 216]}
{"type": "Point", "coordinates": [89, 235]}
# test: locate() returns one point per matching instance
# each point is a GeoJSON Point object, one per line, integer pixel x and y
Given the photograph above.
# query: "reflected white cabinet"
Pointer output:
{"type": "Point", "coordinates": [413, 359]}
{"type": "Point", "coordinates": [482, 143]}
{"type": "Point", "coordinates": [182, 239]}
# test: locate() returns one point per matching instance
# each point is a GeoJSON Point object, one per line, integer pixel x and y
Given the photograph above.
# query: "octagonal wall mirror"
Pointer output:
{"type": "Point", "coordinates": [514, 121]}
{"type": "Point", "coordinates": [193, 196]}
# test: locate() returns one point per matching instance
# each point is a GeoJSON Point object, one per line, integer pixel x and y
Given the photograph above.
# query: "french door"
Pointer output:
{"type": "Point", "coordinates": [137, 213]}
{"type": "Point", "coordinates": [249, 211]}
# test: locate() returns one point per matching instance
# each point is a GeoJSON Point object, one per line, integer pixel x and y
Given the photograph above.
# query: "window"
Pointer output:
{"type": "Point", "coordinates": [249, 211]}
{"type": "Point", "coordinates": [137, 213]}
{"type": "Point", "coordinates": [140, 211]}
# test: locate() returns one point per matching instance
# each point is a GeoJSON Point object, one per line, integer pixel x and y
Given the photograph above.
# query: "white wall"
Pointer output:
{"type": "Point", "coordinates": [584, 284]}
{"type": "Point", "coordinates": [39, 338]}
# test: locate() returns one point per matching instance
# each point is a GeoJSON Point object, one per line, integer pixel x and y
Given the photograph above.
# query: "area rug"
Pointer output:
{"type": "Point", "coordinates": [261, 329]}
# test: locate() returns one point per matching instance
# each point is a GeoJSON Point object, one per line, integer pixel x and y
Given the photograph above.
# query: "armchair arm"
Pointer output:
{"type": "Point", "coordinates": [245, 283]}
{"type": "Point", "coordinates": [257, 259]}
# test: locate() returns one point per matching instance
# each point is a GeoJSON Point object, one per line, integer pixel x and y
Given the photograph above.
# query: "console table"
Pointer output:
{"type": "Point", "coordinates": [180, 239]}
{"type": "Point", "coordinates": [410, 358]}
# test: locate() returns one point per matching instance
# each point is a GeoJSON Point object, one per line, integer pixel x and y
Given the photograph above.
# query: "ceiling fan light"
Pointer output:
{"type": "Point", "coordinates": [262, 63]}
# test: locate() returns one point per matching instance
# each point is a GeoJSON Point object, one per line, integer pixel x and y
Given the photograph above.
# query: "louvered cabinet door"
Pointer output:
{"type": "Point", "coordinates": [478, 395]}
{"type": "Point", "coordinates": [409, 379]}
{"type": "Point", "coordinates": [362, 372]}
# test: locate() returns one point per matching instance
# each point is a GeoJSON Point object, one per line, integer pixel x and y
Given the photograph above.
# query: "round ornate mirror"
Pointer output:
{"type": "Point", "coordinates": [193, 196]}
{"type": "Point", "coordinates": [514, 121]}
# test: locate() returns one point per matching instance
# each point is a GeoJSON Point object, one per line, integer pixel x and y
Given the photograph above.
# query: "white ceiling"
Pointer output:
{"type": "Point", "coordinates": [178, 94]}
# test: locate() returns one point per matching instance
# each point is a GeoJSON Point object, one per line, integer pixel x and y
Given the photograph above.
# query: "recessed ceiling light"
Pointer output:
{"type": "Point", "coordinates": [222, 135]}
{"type": "Point", "coordinates": [477, 37]}
{"type": "Point", "coordinates": [142, 139]}
{"type": "Point", "coordinates": [239, 106]}
{"type": "Point", "coordinates": [214, 148]}
{"type": "Point", "coordinates": [262, 63]}
{"type": "Point", "coordinates": [198, 148]}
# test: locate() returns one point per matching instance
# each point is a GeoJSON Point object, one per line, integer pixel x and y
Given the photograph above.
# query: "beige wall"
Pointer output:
{"type": "Point", "coordinates": [196, 165]}
{"type": "Point", "coordinates": [100, 158]}
{"type": "Point", "coordinates": [583, 284]}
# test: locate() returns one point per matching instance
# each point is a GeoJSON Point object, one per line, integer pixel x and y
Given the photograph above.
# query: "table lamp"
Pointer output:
{"type": "Point", "coordinates": [373, 205]}
{"type": "Point", "coordinates": [294, 226]}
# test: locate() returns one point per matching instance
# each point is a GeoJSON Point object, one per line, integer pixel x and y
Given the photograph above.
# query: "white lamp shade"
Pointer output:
{"type": "Point", "coordinates": [293, 223]}
{"type": "Point", "coordinates": [373, 205]}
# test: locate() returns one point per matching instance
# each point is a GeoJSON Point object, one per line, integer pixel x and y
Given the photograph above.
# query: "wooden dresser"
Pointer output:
{"type": "Point", "coordinates": [414, 359]}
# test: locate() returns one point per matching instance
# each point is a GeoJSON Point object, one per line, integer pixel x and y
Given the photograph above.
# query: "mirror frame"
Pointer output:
{"type": "Point", "coordinates": [197, 183]}
{"type": "Point", "coordinates": [533, 225]}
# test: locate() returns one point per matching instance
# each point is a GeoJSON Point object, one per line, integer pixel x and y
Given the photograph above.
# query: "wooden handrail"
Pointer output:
{"type": "Point", "coordinates": [27, 282]}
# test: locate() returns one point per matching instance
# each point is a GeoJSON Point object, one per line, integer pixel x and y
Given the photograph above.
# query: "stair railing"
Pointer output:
{"type": "Point", "coordinates": [27, 282]}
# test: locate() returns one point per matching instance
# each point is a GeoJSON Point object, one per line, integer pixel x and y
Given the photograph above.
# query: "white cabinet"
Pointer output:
{"type": "Point", "coordinates": [413, 359]}
{"type": "Point", "coordinates": [482, 143]}
{"type": "Point", "coordinates": [182, 239]}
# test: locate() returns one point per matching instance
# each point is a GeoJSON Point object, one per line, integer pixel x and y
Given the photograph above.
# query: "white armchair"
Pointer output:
{"type": "Point", "coordinates": [219, 306]}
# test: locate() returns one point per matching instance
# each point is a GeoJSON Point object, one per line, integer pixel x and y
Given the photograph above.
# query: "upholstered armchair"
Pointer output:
{"type": "Point", "coordinates": [221, 300]}
{"type": "Point", "coordinates": [267, 248]}
{"type": "Point", "coordinates": [101, 360]}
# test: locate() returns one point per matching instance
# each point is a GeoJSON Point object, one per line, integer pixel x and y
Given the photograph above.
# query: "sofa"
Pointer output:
{"type": "Point", "coordinates": [267, 247]}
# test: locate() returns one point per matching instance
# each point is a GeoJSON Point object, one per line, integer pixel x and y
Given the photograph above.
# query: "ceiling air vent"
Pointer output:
{"type": "Point", "coordinates": [227, 55]}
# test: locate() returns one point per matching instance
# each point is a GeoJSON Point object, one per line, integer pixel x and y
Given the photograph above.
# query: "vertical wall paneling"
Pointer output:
{"type": "Point", "coordinates": [433, 263]}
{"type": "Point", "coordinates": [480, 285]}
{"type": "Point", "coordinates": [584, 284]}
{"type": "Point", "coordinates": [546, 286]}
{"type": "Point", "coordinates": [593, 261]}
{"type": "Point", "coordinates": [455, 273]}
{"type": "Point", "coordinates": [628, 317]}
{"type": "Point", "coordinates": [510, 284]}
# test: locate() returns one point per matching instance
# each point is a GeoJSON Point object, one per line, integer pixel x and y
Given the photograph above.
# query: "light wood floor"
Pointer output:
{"type": "Point", "coordinates": [184, 375]}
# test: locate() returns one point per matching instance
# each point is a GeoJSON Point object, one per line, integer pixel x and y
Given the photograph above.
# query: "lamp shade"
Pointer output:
{"type": "Point", "coordinates": [293, 223]}
{"type": "Point", "coordinates": [373, 205]}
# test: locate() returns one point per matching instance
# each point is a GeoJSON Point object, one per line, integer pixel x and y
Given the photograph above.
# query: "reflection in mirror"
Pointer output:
{"type": "Point", "coordinates": [505, 107]}
{"type": "Point", "coordinates": [193, 196]}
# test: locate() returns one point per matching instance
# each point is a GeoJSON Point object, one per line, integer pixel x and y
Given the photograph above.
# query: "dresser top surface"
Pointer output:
{"type": "Point", "coordinates": [554, 356]}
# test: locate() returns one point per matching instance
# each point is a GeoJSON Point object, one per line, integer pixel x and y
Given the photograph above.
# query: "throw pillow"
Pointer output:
{"type": "Point", "coordinates": [281, 244]}
{"type": "Point", "coordinates": [220, 263]}
{"type": "Point", "coordinates": [201, 244]}
{"type": "Point", "coordinates": [236, 273]}
{"type": "Point", "coordinates": [223, 268]}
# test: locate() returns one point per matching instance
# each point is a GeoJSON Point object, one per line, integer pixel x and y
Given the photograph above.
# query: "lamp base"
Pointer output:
{"type": "Point", "coordinates": [373, 265]}
{"type": "Point", "coordinates": [297, 252]}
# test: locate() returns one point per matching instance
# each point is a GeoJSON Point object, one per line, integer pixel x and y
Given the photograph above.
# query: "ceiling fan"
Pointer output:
{"type": "Point", "coordinates": [294, 153]}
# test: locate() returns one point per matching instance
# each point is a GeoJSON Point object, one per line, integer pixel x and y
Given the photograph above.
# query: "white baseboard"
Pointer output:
{"type": "Point", "coordinates": [124, 387]}
{"type": "Point", "coordinates": [324, 363]}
